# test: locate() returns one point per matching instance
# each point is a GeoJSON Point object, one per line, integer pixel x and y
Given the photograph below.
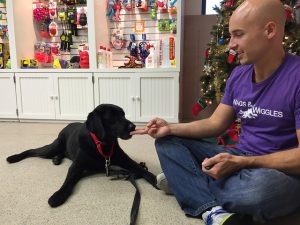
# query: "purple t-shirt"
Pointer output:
{"type": "Point", "coordinates": [269, 110]}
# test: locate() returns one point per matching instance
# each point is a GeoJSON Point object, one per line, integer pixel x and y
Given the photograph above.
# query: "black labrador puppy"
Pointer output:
{"type": "Point", "coordinates": [92, 146]}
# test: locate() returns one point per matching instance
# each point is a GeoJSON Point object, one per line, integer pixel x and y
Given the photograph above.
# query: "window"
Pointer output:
{"type": "Point", "coordinates": [208, 5]}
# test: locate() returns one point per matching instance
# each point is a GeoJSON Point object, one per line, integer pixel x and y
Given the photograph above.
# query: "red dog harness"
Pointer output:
{"type": "Point", "coordinates": [106, 157]}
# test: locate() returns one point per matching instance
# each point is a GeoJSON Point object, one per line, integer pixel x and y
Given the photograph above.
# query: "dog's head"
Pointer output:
{"type": "Point", "coordinates": [108, 122]}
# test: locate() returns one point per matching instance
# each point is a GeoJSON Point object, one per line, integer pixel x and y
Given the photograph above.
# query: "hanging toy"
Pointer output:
{"type": "Point", "coordinates": [39, 10]}
{"type": "Point", "coordinates": [53, 29]}
{"type": "Point", "coordinates": [110, 9]}
{"type": "Point", "coordinates": [82, 18]}
{"type": "Point", "coordinates": [144, 47]}
{"type": "Point", "coordinates": [141, 4]}
{"type": "Point", "coordinates": [132, 47]}
{"type": "Point", "coordinates": [52, 10]}
{"type": "Point", "coordinates": [153, 6]}
{"type": "Point", "coordinates": [117, 8]}
{"type": "Point", "coordinates": [162, 5]}
{"type": "Point", "coordinates": [172, 6]}
{"type": "Point", "coordinates": [127, 4]}
{"type": "Point", "coordinates": [72, 19]}
{"type": "Point", "coordinates": [117, 40]}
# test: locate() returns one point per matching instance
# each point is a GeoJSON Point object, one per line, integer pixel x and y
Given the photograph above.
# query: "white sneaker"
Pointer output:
{"type": "Point", "coordinates": [216, 216]}
{"type": "Point", "coordinates": [162, 183]}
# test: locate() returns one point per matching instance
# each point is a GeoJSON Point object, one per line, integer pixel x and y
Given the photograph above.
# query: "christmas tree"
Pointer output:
{"type": "Point", "coordinates": [219, 60]}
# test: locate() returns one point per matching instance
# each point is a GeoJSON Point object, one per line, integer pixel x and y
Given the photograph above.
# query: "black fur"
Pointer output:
{"type": "Point", "coordinates": [108, 122]}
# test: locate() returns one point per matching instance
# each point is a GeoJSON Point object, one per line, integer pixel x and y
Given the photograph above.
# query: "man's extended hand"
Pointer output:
{"type": "Point", "coordinates": [155, 128]}
{"type": "Point", "coordinates": [222, 165]}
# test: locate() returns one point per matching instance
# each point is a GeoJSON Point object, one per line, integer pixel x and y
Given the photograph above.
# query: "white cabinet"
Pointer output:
{"type": "Point", "coordinates": [62, 96]}
{"type": "Point", "coordinates": [8, 109]}
{"type": "Point", "coordinates": [142, 96]}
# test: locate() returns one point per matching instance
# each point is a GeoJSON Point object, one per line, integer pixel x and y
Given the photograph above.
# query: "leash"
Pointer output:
{"type": "Point", "coordinates": [122, 174]}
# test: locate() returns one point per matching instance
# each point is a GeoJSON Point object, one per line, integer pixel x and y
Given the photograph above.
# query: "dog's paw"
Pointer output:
{"type": "Point", "coordinates": [57, 199]}
{"type": "Point", "coordinates": [14, 158]}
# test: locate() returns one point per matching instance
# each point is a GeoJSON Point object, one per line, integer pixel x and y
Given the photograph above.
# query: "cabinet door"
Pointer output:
{"type": "Point", "coordinates": [73, 94]}
{"type": "Point", "coordinates": [157, 96]}
{"type": "Point", "coordinates": [117, 89]}
{"type": "Point", "coordinates": [35, 96]}
{"type": "Point", "coordinates": [8, 109]}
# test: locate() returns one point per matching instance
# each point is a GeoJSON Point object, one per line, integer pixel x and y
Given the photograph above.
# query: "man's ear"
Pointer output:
{"type": "Point", "coordinates": [270, 29]}
{"type": "Point", "coordinates": [94, 124]}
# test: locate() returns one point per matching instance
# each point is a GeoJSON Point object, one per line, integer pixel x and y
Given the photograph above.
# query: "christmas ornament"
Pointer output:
{"type": "Point", "coordinates": [198, 107]}
{"type": "Point", "coordinates": [231, 56]}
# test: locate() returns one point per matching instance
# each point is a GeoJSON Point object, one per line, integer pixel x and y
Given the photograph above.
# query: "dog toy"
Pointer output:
{"type": "Point", "coordinates": [117, 39]}
{"type": "Point", "coordinates": [53, 29]}
{"type": "Point", "coordinates": [84, 61]}
{"type": "Point", "coordinates": [110, 9]}
{"type": "Point", "coordinates": [40, 11]}
{"type": "Point", "coordinates": [75, 62]}
{"type": "Point", "coordinates": [117, 8]}
{"type": "Point", "coordinates": [132, 62]}
{"type": "Point", "coordinates": [82, 17]}
{"type": "Point", "coordinates": [52, 10]}
{"type": "Point", "coordinates": [144, 49]}
{"type": "Point", "coordinates": [127, 4]}
{"type": "Point", "coordinates": [172, 6]}
{"type": "Point", "coordinates": [162, 5]}
{"type": "Point", "coordinates": [132, 47]}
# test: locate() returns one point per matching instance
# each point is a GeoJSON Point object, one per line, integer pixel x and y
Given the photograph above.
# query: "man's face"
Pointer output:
{"type": "Point", "coordinates": [247, 39]}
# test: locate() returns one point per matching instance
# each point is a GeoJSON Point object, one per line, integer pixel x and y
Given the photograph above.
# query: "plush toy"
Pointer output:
{"type": "Point", "coordinates": [132, 62]}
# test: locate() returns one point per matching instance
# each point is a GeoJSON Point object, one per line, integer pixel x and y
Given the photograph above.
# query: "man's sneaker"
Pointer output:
{"type": "Point", "coordinates": [162, 183]}
{"type": "Point", "coordinates": [219, 216]}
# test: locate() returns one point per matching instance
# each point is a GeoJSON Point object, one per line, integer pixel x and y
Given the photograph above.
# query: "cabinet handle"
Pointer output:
{"type": "Point", "coordinates": [56, 97]}
{"type": "Point", "coordinates": [51, 97]}
{"type": "Point", "coordinates": [138, 98]}
{"type": "Point", "coordinates": [132, 98]}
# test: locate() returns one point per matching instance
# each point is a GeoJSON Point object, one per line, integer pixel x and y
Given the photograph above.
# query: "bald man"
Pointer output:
{"type": "Point", "coordinates": [259, 178]}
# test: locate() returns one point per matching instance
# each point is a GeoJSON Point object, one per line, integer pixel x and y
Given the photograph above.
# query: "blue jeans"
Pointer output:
{"type": "Point", "coordinates": [263, 193]}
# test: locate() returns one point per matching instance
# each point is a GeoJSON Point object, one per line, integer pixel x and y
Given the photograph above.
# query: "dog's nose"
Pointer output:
{"type": "Point", "coordinates": [131, 127]}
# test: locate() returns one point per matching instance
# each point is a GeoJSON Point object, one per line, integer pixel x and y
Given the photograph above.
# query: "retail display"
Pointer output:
{"type": "Point", "coordinates": [4, 44]}
{"type": "Point", "coordinates": [51, 39]}
{"type": "Point", "coordinates": [151, 21]}
{"type": "Point", "coordinates": [59, 22]}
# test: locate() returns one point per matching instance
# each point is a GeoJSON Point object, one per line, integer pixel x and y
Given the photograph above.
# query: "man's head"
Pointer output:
{"type": "Point", "coordinates": [257, 29]}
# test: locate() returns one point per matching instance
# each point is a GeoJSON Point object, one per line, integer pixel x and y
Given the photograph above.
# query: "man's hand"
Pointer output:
{"type": "Point", "coordinates": [156, 128]}
{"type": "Point", "coordinates": [222, 165]}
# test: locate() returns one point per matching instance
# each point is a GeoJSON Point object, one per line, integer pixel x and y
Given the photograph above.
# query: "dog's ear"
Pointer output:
{"type": "Point", "coordinates": [94, 124]}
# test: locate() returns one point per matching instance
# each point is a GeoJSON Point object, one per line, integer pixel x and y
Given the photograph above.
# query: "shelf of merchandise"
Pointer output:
{"type": "Point", "coordinates": [23, 36]}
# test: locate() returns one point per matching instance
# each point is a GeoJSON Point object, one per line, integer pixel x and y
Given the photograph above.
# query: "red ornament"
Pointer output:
{"type": "Point", "coordinates": [198, 107]}
{"type": "Point", "coordinates": [229, 3]}
{"type": "Point", "coordinates": [231, 56]}
{"type": "Point", "coordinates": [289, 13]}
{"type": "Point", "coordinates": [206, 53]}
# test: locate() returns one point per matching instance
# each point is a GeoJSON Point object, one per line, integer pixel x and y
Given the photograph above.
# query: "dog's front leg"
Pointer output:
{"type": "Point", "coordinates": [59, 197]}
